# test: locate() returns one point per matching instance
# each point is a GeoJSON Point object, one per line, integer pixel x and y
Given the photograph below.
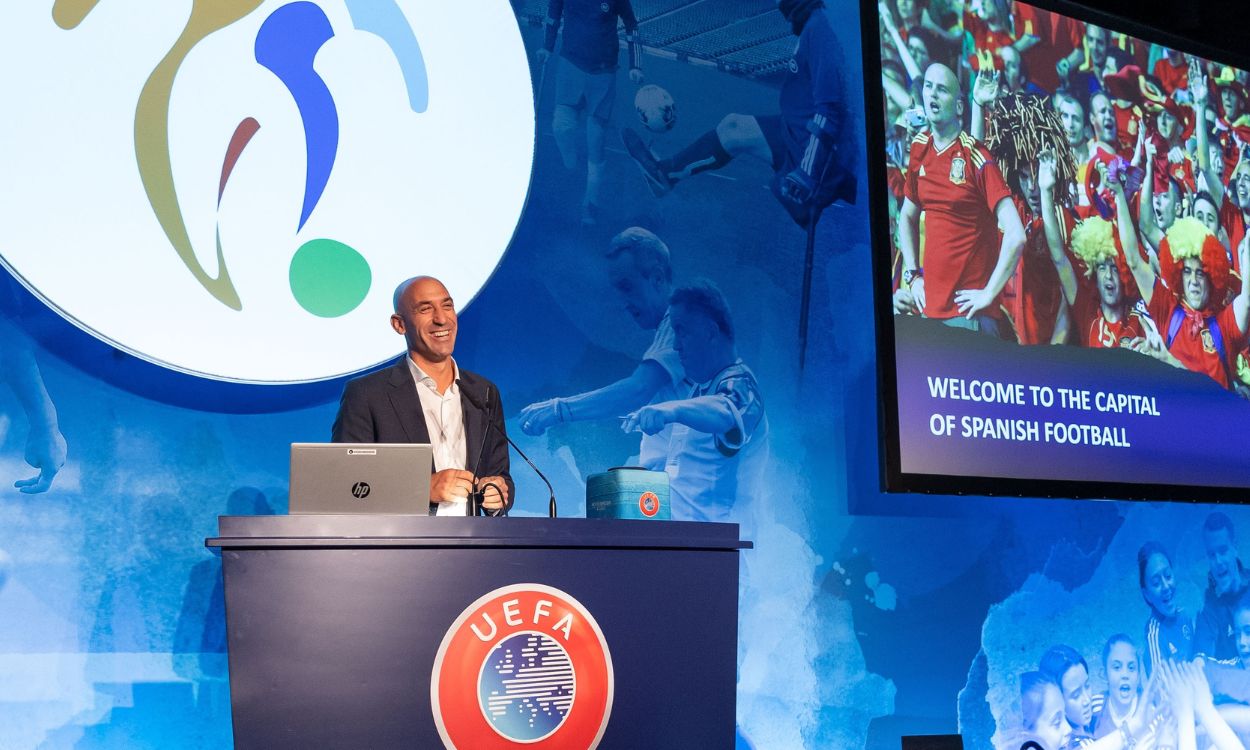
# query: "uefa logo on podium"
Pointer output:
{"type": "Point", "coordinates": [649, 504]}
{"type": "Point", "coordinates": [523, 666]}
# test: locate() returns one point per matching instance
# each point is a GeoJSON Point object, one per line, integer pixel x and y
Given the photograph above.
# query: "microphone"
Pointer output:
{"type": "Point", "coordinates": [551, 501]}
{"type": "Point", "coordinates": [476, 496]}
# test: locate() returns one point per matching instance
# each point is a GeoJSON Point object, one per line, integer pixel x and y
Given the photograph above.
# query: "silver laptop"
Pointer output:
{"type": "Point", "coordinates": [361, 478]}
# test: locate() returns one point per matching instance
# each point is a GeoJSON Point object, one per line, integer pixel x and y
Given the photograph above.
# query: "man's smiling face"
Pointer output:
{"type": "Point", "coordinates": [426, 316]}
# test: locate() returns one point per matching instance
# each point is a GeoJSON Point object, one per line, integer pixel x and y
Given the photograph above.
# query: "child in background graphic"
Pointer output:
{"type": "Point", "coordinates": [1042, 714]}
{"type": "Point", "coordinates": [1069, 670]}
{"type": "Point", "coordinates": [1120, 662]}
{"type": "Point", "coordinates": [1241, 631]}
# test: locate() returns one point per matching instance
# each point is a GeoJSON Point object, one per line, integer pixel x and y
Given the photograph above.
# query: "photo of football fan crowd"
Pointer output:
{"type": "Point", "coordinates": [1055, 182]}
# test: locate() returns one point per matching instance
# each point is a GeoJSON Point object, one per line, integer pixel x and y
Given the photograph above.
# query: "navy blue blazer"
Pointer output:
{"type": "Point", "coordinates": [383, 407]}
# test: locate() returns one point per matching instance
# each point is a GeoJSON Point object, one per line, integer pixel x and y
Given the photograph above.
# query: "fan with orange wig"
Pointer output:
{"type": "Point", "coordinates": [1188, 239]}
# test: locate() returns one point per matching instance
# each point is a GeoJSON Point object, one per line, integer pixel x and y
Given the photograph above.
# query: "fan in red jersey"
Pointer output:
{"type": "Point", "coordinates": [959, 273]}
{"type": "Point", "coordinates": [1113, 321]}
{"type": "Point", "coordinates": [1020, 128]}
{"type": "Point", "coordinates": [1201, 329]}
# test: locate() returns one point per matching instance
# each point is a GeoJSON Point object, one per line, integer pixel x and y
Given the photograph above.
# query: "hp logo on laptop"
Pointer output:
{"type": "Point", "coordinates": [360, 490]}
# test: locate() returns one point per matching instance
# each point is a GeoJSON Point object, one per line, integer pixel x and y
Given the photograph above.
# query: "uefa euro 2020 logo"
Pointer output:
{"type": "Point", "coordinates": [523, 666]}
{"type": "Point", "coordinates": [232, 188]}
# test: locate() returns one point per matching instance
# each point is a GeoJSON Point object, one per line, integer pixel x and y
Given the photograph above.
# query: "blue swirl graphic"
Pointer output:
{"type": "Point", "coordinates": [287, 44]}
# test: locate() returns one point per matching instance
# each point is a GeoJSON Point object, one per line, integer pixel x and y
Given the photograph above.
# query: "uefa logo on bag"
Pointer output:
{"type": "Point", "coordinates": [233, 188]}
{"type": "Point", "coordinates": [523, 666]}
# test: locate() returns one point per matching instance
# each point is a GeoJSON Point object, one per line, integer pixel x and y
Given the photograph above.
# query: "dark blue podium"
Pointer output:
{"type": "Point", "coordinates": [480, 633]}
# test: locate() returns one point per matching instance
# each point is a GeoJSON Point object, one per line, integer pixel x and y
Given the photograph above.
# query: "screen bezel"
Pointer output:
{"type": "Point", "coordinates": [893, 478]}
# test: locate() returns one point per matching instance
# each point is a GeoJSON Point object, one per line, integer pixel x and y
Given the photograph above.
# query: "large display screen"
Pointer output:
{"type": "Point", "coordinates": [1060, 206]}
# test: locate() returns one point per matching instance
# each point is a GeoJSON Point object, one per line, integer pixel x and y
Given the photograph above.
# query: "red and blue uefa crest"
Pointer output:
{"type": "Point", "coordinates": [649, 504]}
{"type": "Point", "coordinates": [523, 666]}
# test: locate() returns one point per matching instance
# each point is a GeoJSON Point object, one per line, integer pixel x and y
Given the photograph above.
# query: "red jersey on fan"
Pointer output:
{"type": "Point", "coordinates": [1234, 222]}
{"type": "Point", "coordinates": [1059, 35]}
{"type": "Point", "coordinates": [1032, 295]}
{"type": "Point", "coordinates": [1230, 145]}
{"type": "Point", "coordinates": [1171, 77]}
{"type": "Point", "coordinates": [1182, 172]}
{"type": "Point", "coordinates": [1128, 119]}
{"type": "Point", "coordinates": [1099, 333]}
{"type": "Point", "coordinates": [894, 180]}
{"type": "Point", "coordinates": [957, 189]}
{"type": "Point", "coordinates": [1212, 348]}
{"type": "Point", "coordinates": [1093, 330]}
{"type": "Point", "coordinates": [984, 39]}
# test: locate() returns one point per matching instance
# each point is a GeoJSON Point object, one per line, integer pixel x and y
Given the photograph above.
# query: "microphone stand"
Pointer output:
{"type": "Point", "coordinates": [551, 500]}
{"type": "Point", "coordinates": [476, 496]}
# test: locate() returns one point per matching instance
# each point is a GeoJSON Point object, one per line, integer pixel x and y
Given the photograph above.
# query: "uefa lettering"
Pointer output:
{"type": "Point", "coordinates": [525, 665]}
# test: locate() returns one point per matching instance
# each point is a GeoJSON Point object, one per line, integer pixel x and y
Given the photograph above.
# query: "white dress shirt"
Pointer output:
{"type": "Point", "coordinates": [444, 420]}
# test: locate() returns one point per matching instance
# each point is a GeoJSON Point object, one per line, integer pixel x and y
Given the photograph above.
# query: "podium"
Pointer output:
{"type": "Point", "coordinates": [479, 633]}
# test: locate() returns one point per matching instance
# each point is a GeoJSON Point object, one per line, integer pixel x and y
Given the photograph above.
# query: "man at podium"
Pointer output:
{"type": "Point", "coordinates": [423, 399]}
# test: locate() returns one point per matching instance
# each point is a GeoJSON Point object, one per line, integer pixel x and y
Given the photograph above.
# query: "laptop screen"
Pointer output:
{"type": "Point", "coordinates": [361, 478]}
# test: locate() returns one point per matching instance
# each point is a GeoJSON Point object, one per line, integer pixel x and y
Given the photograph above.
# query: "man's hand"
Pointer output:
{"type": "Point", "coordinates": [1154, 347]}
{"type": "Point", "coordinates": [985, 90]}
{"type": "Point", "coordinates": [1063, 67]}
{"type": "Point", "coordinates": [1116, 183]}
{"type": "Point", "coordinates": [1104, 178]}
{"type": "Point", "coordinates": [635, 75]}
{"type": "Point", "coordinates": [904, 303]}
{"type": "Point", "coordinates": [542, 56]}
{"type": "Point", "coordinates": [45, 450]}
{"type": "Point", "coordinates": [970, 302]}
{"type": "Point", "coordinates": [1198, 87]}
{"type": "Point", "coordinates": [494, 492]}
{"type": "Point", "coordinates": [797, 187]}
{"type": "Point", "coordinates": [538, 417]}
{"type": "Point", "coordinates": [450, 485]}
{"type": "Point", "coordinates": [917, 293]}
{"type": "Point", "coordinates": [1046, 170]}
{"type": "Point", "coordinates": [649, 419]}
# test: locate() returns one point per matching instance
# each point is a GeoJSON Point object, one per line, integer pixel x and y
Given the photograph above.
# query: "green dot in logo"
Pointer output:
{"type": "Point", "coordinates": [329, 278]}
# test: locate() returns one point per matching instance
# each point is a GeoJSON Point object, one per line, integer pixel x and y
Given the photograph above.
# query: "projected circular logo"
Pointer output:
{"type": "Point", "coordinates": [524, 665]}
{"type": "Point", "coordinates": [233, 188]}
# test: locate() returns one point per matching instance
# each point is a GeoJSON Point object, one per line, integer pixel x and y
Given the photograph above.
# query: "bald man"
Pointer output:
{"type": "Point", "coordinates": [427, 398]}
{"type": "Point", "coordinates": [959, 272]}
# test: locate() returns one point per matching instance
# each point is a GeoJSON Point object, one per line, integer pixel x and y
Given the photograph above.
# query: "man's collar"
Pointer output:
{"type": "Point", "coordinates": [424, 378]}
{"type": "Point", "coordinates": [707, 383]}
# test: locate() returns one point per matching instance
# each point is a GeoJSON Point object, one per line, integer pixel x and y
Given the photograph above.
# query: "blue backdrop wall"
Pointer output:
{"type": "Point", "coordinates": [864, 616]}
